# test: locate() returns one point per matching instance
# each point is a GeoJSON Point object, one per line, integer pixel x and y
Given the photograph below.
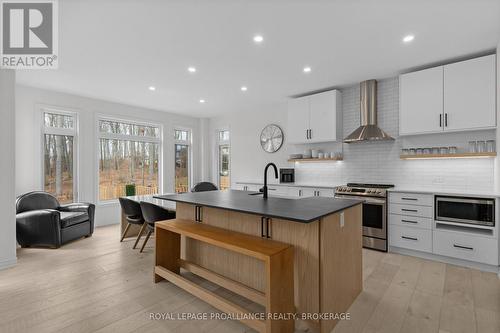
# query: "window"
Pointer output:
{"type": "Point", "coordinates": [224, 150]}
{"type": "Point", "coordinates": [182, 160]}
{"type": "Point", "coordinates": [129, 158]}
{"type": "Point", "coordinates": [59, 160]}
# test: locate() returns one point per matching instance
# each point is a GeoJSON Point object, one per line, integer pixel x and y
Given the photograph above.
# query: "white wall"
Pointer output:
{"type": "Point", "coordinates": [377, 162]}
{"type": "Point", "coordinates": [7, 169]}
{"type": "Point", "coordinates": [28, 144]}
{"type": "Point", "coordinates": [248, 159]}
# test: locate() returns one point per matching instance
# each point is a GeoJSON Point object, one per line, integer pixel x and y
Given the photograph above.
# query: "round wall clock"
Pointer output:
{"type": "Point", "coordinates": [271, 138]}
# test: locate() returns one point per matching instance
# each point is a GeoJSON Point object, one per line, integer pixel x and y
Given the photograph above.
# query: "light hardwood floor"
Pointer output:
{"type": "Point", "coordinates": [101, 285]}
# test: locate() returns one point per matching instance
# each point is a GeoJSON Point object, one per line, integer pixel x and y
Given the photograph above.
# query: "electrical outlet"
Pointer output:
{"type": "Point", "coordinates": [342, 222]}
{"type": "Point", "coordinates": [438, 180]}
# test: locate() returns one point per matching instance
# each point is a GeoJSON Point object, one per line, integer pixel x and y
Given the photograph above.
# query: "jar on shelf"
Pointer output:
{"type": "Point", "coordinates": [472, 147]}
{"type": "Point", "coordinates": [481, 146]}
{"type": "Point", "coordinates": [444, 150]}
{"type": "Point", "coordinates": [453, 149]}
{"type": "Point", "coordinates": [490, 146]}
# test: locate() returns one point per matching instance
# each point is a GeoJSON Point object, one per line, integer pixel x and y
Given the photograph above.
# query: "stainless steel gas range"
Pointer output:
{"type": "Point", "coordinates": [374, 211]}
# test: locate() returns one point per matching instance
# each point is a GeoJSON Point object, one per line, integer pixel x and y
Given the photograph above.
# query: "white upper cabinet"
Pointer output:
{"type": "Point", "coordinates": [325, 116]}
{"type": "Point", "coordinates": [421, 102]}
{"type": "Point", "coordinates": [298, 120]}
{"type": "Point", "coordinates": [469, 94]}
{"type": "Point", "coordinates": [454, 97]}
{"type": "Point", "coordinates": [315, 118]}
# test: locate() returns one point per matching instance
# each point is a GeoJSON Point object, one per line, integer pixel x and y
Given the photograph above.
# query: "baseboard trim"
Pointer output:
{"type": "Point", "coordinates": [8, 263]}
{"type": "Point", "coordinates": [447, 260]}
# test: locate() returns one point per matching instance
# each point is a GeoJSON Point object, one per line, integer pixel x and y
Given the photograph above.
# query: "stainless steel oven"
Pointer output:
{"type": "Point", "coordinates": [374, 211]}
{"type": "Point", "coordinates": [465, 210]}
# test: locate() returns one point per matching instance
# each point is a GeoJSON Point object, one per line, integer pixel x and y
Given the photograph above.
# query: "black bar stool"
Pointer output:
{"type": "Point", "coordinates": [133, 215]}
{"type": "Point", "coordinates": [204, 186]}
{"type": "Point", "coordinates": [153, 213]}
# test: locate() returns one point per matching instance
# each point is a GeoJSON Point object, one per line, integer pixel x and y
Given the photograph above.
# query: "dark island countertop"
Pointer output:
{"type": "Point", "coordinates": [303, 210]}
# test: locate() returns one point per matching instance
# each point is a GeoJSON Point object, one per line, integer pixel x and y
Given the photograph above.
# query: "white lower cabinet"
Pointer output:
{"type": "Point", "coordinates": [466, 246]}
{"type": "Point", "coordinates": [410, 221]}
{"type": "Point", "coordinates": [411, 210]}
{"type": "Point", "coordinates": [410, 238]}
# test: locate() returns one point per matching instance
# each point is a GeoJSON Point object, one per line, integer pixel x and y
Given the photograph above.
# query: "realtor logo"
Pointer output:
{"type": "Point", "coordinates": [29, 34]}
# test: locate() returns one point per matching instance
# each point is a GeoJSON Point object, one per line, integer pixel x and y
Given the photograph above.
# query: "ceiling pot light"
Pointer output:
{"type": "Point", "coordinates": [408, 38]}
{"type": "Point", "coordinates": [191, 69]}
{"type": "Point", "coordinates": [202, 101]}
{"type": "Point", "coordinates": [244, 88]}
{"type": "Point", "coordinates": [307, 69]}
{"type": "Point", "coordinates": [152, 88]}
{"type": "Point", "coordinates": [258, 39]}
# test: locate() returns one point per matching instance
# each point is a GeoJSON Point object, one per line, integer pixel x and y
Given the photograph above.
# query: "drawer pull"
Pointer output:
{"type": "Point", "coordinates": [410, 238]}
{"type": "Point", "coordinates": [408, 221]}
{"type": "Point", "coordinates": [410, 199]}
{"type": "Point", "coordinates": [463, 247]}
{"type": "Point", "coordinates": [409, 210]}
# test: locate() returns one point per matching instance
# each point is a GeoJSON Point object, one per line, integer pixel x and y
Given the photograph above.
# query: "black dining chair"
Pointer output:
{"type": "Point", "coordinates": [133, 214]}
{"type": "Point", "coordinates": [153, 213]}
{"type": "Point", "coordinates": [204, 186]}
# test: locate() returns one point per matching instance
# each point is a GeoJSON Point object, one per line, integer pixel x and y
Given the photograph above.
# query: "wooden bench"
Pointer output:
{"type": "Point", "coordinates": [278, 298]}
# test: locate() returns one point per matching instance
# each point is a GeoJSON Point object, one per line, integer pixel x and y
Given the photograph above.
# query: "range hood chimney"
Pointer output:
{"type": "Point", "coordinates": [368, 131]}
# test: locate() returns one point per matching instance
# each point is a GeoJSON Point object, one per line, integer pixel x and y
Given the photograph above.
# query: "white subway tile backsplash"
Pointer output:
{"type": "Point", "coordinates": [379, 162]}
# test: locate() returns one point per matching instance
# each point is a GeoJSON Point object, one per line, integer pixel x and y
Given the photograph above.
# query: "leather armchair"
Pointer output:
{"type": "Point", "coordinates": [42, 221]}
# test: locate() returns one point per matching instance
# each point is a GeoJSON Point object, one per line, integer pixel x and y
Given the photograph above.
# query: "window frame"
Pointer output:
{"type": "Point", "coordinates": [74, 132]}
{"type": "Point", "coordinates": [113, 136]}
{"type": "Point", "coordinates": [218, 144]}
{"type": "Point", "coordinates": [189, 143]}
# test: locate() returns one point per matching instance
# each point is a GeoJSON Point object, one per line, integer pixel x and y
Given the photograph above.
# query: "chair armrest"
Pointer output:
{"type": "Point", "coordinates": [81, 207]}
{"type": "Point", "coordinates": [75, 207]}
{"type": "Point", "coordinates": [39, 227]}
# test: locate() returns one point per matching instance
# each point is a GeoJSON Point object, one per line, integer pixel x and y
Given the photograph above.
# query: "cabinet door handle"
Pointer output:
{"type": "Point", "coordinates": [262, 219]}
{"type": "Point", "coordinates": [463, 247]}
{"type": "Point", "coordinates": [410, 199]}
{"type": "Point", "coordinates": [310, 133]}
{"type": "Point", "coordinates": [408, 221]}
{"type": "Point", "coordinates": [268, 222]}
{"type": "Point", "coordinates": [300, 193]}
{"type": "Point", "coordinates": [445, 120]}
{"type": "Point", "coordinates": [307, 134]}
{"type": "Point", "coordinates": [410, 238]}
{"type": "Point", "coordinates": [198, 214]}
{"type": "Point", "coordinates": [409, 210]}
{"type": "Point", "coordinates": [440, 120]}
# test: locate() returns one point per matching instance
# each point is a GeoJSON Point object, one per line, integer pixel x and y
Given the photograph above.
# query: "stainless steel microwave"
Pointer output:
{"type": "Point", "coordinates": [479, 211]}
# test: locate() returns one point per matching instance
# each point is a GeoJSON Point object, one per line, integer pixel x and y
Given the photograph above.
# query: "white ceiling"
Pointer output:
{"type": "Point", "coordinates": [114, 50]}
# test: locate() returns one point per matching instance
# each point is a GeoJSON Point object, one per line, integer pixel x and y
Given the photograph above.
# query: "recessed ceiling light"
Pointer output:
{"type": "Point", "coordinates": [152, 88]}
{"type": "Point", "coordinates": [191, 69]}
{"type": "Point", "coordinates": [202, 101]}
{"type": "Point", "coordinates": [307, 69]}
{"type": "Point", "coordinates": [408, 38]}
{"type": "Point", "coordinates": [244, 88]}
{"type": "Point", "coordinates": [258, 38]}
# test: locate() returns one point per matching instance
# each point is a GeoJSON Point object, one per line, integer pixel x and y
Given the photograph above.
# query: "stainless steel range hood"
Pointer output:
{"type": "Point", "coordinates": [368, 131]}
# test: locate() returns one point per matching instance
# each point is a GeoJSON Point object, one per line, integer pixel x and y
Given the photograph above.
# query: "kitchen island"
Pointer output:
{"type": "Point", "coordinates": [326, 235]}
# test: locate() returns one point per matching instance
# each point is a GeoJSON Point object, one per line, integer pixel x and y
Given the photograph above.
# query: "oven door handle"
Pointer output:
{"type": "Point", "coordinates": [366, 200]}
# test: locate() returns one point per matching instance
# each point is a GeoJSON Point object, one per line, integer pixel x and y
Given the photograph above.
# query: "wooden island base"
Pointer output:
{"type": "Point", "coordinates": [277, 258]}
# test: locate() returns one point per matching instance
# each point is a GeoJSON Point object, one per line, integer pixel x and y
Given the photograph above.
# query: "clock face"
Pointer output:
{"type": "Point", "coordinates": [271, 138]}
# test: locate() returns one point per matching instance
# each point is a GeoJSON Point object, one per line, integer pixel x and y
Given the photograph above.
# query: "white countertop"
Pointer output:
{"type": "Point", "coordinates": [445, 191]}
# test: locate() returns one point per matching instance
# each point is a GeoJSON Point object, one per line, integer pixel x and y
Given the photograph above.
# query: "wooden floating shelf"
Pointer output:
{"type": "Point", "coordinates": [316, 159]}
{"type": "Point", "coordinates": [460, 155]}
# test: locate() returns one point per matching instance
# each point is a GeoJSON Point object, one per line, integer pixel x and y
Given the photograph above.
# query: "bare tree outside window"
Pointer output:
{"type": "Point", "coordinates": [129, 159]}
{"type": "Point", "coordinates": [224, 151]}
{"type": "Point", "coordinates": [182, 160]}
{"type": "Point", "coordinates": [59, 146]}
